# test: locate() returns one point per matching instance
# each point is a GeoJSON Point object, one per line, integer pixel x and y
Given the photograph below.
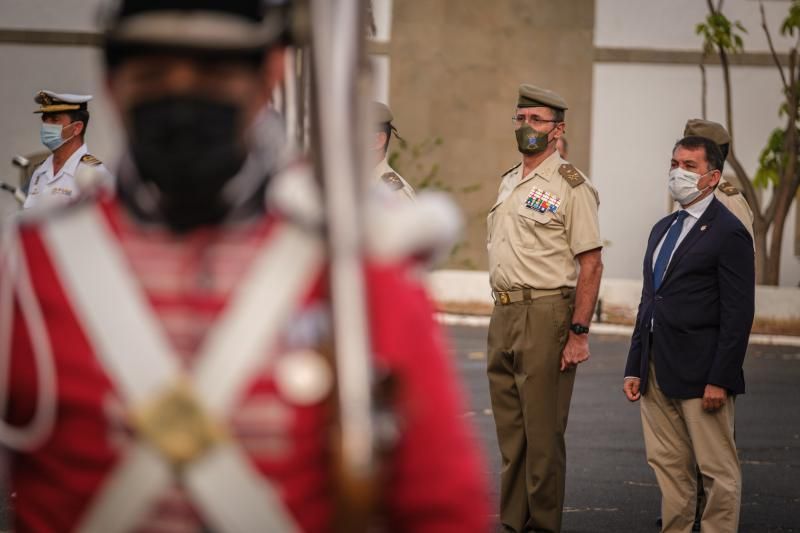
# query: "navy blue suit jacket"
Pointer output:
{"type": "Point", "coordinates": [702, 312]}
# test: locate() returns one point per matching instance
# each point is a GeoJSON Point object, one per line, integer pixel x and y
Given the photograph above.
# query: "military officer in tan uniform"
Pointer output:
{"type": "Point", "coordinates": [64, 121]}
{"type": "Point", "coordinates": [545, 266]}
{"type": "Point", "coordinates": [383, 173]}
{"type": "Point", "coordinates": [725, 191]}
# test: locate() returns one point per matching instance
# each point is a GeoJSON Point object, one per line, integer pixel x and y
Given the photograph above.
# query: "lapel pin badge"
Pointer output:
{"type": "Point", "coordinates": [703, 227]}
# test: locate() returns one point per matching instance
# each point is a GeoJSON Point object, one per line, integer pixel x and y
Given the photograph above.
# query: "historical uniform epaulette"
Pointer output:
{"type": "Point", "coordinates": [729, 189]}
{"type": "Point", "coordinates": [571, 174]}
{"type": "Point", "coordinates": [392, 180]}
{"type": "Point", "coordinates": [510, 170]}
{"type": "Point", "coordinates": [89, 159]}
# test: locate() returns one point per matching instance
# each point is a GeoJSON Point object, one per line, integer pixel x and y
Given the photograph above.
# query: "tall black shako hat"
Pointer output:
{"type": "Point", "coordinates": [235, 28]}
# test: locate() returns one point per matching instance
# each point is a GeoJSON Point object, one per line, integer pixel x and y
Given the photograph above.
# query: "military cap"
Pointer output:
{"type": "Point", "coordinates": [712, 131]}
{"type": "Point", "coordinates": [381, 113]}
{"type": "Point", "coordinates": [202, 25]}
{"type": "Point", "coordinates": [532, 96]}
{"type": "Point", "coordinates": [50, 102]}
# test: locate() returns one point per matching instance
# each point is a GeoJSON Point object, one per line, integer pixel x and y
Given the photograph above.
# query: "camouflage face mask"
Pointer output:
{"type": "Point", "coordinates": [530, 141]}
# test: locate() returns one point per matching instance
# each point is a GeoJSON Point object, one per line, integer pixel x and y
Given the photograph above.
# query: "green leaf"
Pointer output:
{"type": "Point", "coordinates": [771, 161]}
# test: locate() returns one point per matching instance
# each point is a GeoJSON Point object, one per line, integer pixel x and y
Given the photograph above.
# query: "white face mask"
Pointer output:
{"type": "Point", "coordinates": [683, 185]}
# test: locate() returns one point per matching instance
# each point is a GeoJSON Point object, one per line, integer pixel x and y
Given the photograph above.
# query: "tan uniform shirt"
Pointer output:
{"type": "Point", "coordinates": [538, 225]}
{"type": "Point", "coordinates": [389, 179]}
{"type": "Point", "coordinates": [735, 202]}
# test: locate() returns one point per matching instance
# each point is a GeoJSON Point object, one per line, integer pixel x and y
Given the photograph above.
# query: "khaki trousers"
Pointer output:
{"type": "Point", "coordinates": [530, 401]}
{"type": "Point", "coordinates": [679, 434]}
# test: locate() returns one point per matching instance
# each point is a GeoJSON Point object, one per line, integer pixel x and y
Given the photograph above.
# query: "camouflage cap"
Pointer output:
{"type": "Point", "coordinates": [532, 96]}
{"type": "Point", "coordinates": [712, 131]}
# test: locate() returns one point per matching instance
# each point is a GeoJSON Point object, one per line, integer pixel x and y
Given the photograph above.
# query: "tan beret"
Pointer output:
{"type": "Point", "coordinates": [532, 96]}
{"type": "Point", "coordinates": [712, 131]}
{"type": "Point", "coordinates": [381, 113]}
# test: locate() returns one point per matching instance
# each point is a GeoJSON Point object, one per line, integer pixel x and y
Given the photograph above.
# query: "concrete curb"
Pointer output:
{"type": "Point", "coordinates": [482, 321]}
{"type": "Point", "coordinates": [466, 294]}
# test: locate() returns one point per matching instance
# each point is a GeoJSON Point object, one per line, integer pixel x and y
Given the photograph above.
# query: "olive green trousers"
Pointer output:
{"type": "Point", "coordinates": [530, 402]}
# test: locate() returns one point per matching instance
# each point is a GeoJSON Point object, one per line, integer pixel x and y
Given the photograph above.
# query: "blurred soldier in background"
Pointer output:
{"type": "Point", "coordinates": [65, 118]}
{"type": "Point", "coordinates": [169, 346]}
{"type": "Point", "coordinates": [725, 192]}
{"type": "Point", "coordinates": [384, 173]}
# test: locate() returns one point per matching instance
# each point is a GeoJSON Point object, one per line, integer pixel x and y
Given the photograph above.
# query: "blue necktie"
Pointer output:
{"type": "Point", "coordinates": [662, 261]}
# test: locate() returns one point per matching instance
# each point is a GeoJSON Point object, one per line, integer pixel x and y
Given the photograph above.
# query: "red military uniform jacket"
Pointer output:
{"type": "Point", "coordinates": [434, 479]}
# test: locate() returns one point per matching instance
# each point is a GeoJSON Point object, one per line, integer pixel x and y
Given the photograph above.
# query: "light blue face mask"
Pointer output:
{"type": "Point", "coordinates": [51, 136]}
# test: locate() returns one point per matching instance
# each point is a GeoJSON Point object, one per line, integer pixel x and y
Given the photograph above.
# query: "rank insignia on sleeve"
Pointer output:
{"type": "Point", "coordinates": [571, 174]}
{"type": "Point", "coordinates": [392, 180]}
{"type": "Point", "coordinates": [542, 201]}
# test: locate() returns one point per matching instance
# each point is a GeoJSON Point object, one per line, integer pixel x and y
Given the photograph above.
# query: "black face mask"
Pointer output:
{"type": "Point", "coordinates": [189, 148]}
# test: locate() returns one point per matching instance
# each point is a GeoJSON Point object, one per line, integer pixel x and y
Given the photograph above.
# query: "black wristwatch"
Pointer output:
{"type": "Point", "coordinates": [579, 329]}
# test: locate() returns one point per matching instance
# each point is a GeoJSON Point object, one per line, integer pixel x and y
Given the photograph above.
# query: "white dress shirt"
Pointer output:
{"type": "Point", "coordinates": [695, 211]}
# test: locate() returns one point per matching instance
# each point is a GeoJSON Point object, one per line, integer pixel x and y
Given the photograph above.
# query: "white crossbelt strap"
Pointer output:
{"type": "Point", "coordinates": [129, 341]}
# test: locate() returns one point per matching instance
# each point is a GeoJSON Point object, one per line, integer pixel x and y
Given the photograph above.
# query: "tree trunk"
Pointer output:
{"type": "Point", "coordinates": [785, 190]}
{"type": "Point", "coordinates": [773, 262]}
{"type": "Point", "coordinates": [760, 238]}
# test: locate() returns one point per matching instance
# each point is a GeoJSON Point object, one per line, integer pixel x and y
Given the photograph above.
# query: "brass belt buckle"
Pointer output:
{"type": "Point", "coordinates": [505, 299]}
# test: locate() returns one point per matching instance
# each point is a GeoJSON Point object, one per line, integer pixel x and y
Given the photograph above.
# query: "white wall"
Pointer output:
{"type": "Point", "coordinates": [76, 15]}
{"type": "Point", "coordinates": [669, 24]}
{"type": "Point", "coordinates": [639, 112]}
{"type": "Point", "coordinates": [381, 64]}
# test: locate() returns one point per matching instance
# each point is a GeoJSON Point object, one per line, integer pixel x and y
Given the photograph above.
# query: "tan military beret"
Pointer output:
{"type": "Point", "coordinates": [712, 131]}
{"type": "Point", "coordinates": [532, 96]}
{"type": "Point", "coordinates": [51, 102]}
{"type": "Point", "coordinates": [381, 113]}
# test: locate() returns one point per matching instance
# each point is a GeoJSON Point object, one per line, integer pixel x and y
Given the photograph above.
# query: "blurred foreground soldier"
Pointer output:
{"type": "Point", "coordinates": [689, 343]}
{"type": "Point", "coordinates": [725, 192]}
{"type": "Point", "coordinates": [167, 369]}
{"type": "Point", "coordinates": [544, 266]}
{"type": "Point", "coordinates": [65, 118]}
{"type": "Point", "coordinates": [383, 173]}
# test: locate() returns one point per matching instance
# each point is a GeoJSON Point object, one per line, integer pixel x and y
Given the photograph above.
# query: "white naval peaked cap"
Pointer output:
{"type": "Point", "coordinates": [52, 102]}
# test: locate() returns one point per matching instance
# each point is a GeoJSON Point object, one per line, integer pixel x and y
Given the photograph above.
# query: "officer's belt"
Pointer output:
{"type": "Point", "coordinates": [526, 295]}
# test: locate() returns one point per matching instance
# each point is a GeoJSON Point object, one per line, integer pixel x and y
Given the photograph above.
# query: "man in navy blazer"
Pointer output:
{"type": "Point", "coordinates": [689, 343]}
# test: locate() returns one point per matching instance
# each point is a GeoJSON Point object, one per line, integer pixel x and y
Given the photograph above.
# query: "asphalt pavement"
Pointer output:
{"type": "Point", "coordinates": [610, 488]}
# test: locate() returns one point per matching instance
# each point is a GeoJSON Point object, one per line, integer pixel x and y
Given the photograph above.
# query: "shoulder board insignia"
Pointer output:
{"type": "Point", "coordinates": [571, 174]}
{"type": "Point", "coordinates": [729, 189]}
{"type": "Point", "coordinates": [392, 180]}
{"type": "Point", "coordinates": [510, 170]}
{"type": "Point", "coordinates": [89, 159]}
